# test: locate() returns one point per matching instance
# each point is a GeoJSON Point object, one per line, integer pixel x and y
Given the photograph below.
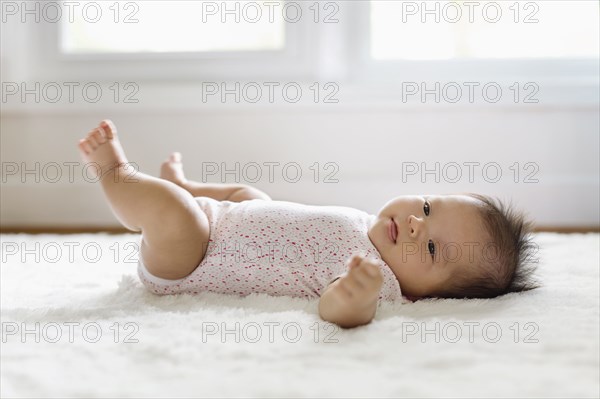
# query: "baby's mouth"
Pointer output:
{"type": "Point", "coordinates": [393, 231]}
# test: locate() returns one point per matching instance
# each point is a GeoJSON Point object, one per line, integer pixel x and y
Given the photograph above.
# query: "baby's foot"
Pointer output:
{"type": "Point", "coordinates": [172, 169]}
{"type": "Point", "coordinates": [102, 148]}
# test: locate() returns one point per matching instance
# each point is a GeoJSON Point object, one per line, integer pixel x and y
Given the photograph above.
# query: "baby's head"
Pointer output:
{"type": "Point", "coordinates": [455, 246]}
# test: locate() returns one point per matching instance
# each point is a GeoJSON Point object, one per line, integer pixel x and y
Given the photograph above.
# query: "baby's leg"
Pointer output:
{"type": "Point", "coordinates": [174, 228]}
{"type": "Point", "coordinates": [172, 170]}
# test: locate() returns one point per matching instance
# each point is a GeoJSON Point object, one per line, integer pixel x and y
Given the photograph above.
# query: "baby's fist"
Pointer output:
{"type": "Point", "coordinates": [362, 283]}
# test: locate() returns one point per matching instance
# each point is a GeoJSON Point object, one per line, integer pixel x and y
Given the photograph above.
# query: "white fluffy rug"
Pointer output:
{"type": "Point", "coordinates": [543, 343]}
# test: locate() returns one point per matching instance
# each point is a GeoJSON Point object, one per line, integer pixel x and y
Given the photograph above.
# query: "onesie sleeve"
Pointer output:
{"type": "Point", "coordinates": [390, 290]}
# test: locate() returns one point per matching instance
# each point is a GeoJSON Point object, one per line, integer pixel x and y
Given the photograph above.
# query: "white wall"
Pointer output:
{"type": "Point", "coordinates": [367, 135]}
{"type": "Point", "coordinates": [367, 143]}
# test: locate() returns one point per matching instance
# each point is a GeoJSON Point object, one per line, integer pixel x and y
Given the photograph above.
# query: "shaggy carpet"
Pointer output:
{"type": "Point", "coordinates": [77, 322]}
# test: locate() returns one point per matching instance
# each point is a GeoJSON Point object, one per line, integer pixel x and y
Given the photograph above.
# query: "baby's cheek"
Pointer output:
{"type": "Point", "coordinates": [411, 252]}
{"type": "Point", "coordinates": [451, 253]}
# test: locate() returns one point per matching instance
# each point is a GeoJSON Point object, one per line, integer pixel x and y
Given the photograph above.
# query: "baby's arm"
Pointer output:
{"type": "Point", "coordinates": [351, 300]}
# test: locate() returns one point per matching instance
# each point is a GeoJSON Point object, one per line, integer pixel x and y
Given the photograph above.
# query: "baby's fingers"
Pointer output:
{"type": "Point", "coordinates": [363, 280]}
{"type": "Point", "coordinates": [351, 286]}
{"type": "Point", "coordinates": [354, 261]}
{"type": "Point", "coordinates": [368, 274]}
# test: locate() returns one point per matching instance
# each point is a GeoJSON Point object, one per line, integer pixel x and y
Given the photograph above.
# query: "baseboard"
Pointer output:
{"type": "Point", "coordinates": [122, 230]}
{"type": "Point", "coordinates": [63, 230]}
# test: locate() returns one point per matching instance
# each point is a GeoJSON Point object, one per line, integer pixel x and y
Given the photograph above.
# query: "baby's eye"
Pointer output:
{"type": "Point", "coordinates": [426, 208]}
{"type": "Point", "coordinates": [431, 247]}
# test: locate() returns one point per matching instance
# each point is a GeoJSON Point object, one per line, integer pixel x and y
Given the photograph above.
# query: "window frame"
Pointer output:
{"type": "Point", "coordinates": [292, 60]}
{"type": "Point", "coordinates": [314, 52]}
{"type": "Point", "coordinates": [368, 70]}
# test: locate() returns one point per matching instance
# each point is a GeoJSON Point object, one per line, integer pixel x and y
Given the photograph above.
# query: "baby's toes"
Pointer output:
{"type": "Point", "coordinates": [85, 146]}
{"type": "Point", "coordinates": [175, 157]}
{"type": "Point", "coordinates": [99, 136]}
{"type": "Point", "coordinates": [109, 128]}
{"type": "Point", "coordinates": [91, 139]}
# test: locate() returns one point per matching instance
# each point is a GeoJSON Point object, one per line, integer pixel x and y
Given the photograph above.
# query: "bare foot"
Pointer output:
{"type": "Point", "coordinates": [102, 148]}
{"type": "Point", "coordinates": [172, 170]}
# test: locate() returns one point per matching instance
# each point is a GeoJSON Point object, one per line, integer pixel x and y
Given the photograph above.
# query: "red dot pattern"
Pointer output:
{"type": "Point", "coordinates": [278, 248]}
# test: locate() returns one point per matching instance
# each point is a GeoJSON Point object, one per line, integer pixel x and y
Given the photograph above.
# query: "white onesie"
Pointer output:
{"type": "Point", "coordinates": [277, 248]}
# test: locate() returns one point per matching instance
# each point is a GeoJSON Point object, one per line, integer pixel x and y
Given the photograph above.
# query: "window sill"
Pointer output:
{"type": "Point", "coordinates": [326, 96]}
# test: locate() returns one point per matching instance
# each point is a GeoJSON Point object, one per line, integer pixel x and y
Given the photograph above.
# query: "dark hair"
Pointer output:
{"type": "Point", "coordinates": [511, 269]}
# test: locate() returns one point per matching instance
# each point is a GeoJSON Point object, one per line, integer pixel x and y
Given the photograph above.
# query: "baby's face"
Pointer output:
{"type": "Point", "coordinates": [432, 237]}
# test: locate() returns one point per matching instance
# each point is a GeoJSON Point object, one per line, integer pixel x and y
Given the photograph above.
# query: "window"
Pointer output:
{"type": "Point", "coordinates": [468, 29]}
{"type": "Point", "coordinates": [368, 48]}
{"type": "Point", "coordinates": [173, 27]}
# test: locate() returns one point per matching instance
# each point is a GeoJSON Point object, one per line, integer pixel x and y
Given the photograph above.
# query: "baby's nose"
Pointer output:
{"type": "Point", "coordinates": [411, 224]}
{"type": "Point", "coordinates": [414, 225]}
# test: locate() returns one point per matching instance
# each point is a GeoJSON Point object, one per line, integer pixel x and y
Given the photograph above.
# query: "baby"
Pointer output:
{"type": "Point", "coordinates": [234, 239]}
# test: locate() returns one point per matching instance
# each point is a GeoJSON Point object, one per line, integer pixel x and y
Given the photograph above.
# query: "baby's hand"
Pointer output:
{"type": "Point", "coordinates": [359, 289]}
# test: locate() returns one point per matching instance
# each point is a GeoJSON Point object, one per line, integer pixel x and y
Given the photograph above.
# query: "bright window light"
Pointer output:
{"type": "Point", "coordinates": [422, 30]}
{"type": "Point", "coordinates": [173, 26]}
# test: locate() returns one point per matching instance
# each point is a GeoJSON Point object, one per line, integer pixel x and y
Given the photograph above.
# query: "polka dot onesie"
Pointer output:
{"type": "Point", "coordinates": [276, 247]}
